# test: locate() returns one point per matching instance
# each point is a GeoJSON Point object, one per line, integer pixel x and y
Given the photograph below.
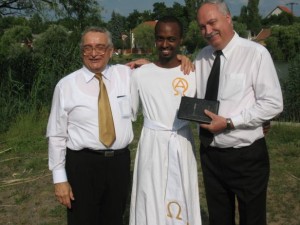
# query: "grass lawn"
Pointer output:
{"type": "Point", "coordinates": [26, 190]}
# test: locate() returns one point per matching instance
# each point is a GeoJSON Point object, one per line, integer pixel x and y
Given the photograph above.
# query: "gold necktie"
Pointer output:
{"type": "Point", "coordinates": [106, 124]}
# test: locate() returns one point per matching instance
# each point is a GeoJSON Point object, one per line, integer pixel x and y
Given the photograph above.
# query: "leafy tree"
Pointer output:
{"type": "Point", "coordinates": [179, 11]}
{"type": "Point", "coordinates": [193, 39]}
{"type": "Point", "coordinates": [191, 8]}
{"type": "Point", "coordinates": [253, 20]}
{"type": "Point", "coordinates": [159, 10]}
{"type": "Point", "coordinates": [134, 19]}
{"type": "Point", "coordinates": [37, 24]}
{"type": "Point", "coordinates": [243, 18]}
{"type": "Point", "coordinates": [117, 27]}
{"type": "Point", "coordinates": [283, 18]}
{"type": "Point", "coordinates": [55, 56]}
{"type": "Point", "coordinates": [17, 7]}
{"type": "Point", "coordinates": [144, 36]}
{"type": "Point", "coordinates": [285, 41]}
{"type": "Point", "coordinates": [10, 21]}
{"type": "Point", "coordinates": [241, 29]}
{"type": "Point", "coordinates": [291, 91]}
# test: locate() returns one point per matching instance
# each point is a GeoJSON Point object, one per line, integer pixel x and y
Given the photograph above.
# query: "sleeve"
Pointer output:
{"type": "Point", "coordinates": [267, 93]}
{"type": "Point", "coordinates": [134, 93]}
{"type": "Point", "coordinates": [57, 137]}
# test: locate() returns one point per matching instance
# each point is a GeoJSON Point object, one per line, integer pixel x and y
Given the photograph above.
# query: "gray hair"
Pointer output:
{"type": "Point", "coordinates": [99, 30]}
{"type": "Point", "coordinates": [223, 8]}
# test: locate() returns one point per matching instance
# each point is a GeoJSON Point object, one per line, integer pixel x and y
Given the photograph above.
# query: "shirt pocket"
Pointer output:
{"type": "Point", "coordinates": [124, 106]}
{"type": "Point", "coordinates": [233, 86]}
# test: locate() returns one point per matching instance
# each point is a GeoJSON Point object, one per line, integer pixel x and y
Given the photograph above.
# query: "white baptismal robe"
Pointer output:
{"type": "Point", "coordinates": [165, 183]}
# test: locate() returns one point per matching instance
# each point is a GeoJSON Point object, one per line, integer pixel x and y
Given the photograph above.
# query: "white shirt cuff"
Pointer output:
{"type": "Point", "coordinates": [59, 176]}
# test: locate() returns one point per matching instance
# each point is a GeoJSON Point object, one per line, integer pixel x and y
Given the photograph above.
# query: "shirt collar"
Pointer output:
{"type": "Point", "coordinates": [88, 75]}
{"type": "Point", "coordinates": [229, 47]}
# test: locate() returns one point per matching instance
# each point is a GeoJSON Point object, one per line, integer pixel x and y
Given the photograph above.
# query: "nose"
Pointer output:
{"type": "Point", "coordinates": [208, 29]}
{"type": "Point", "coordinates": [165, 43]}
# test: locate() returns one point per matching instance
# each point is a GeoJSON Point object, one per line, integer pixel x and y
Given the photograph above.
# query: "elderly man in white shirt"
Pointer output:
{"type": "Point", "coordinates": [91, 177]}
{"type": "Point", "coordinates": [233, 151]}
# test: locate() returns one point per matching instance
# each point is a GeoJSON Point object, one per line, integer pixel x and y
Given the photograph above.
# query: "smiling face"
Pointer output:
{"type": "Point", "coordinates": [168, 39]}
{"type": "Point", "coordinates": [94, 60]}
{"type": "Point", "coordinates": [215, 25]}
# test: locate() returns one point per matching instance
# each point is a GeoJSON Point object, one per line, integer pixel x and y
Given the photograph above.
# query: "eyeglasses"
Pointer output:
{"type": "Point", "coordinates": [99, 49]}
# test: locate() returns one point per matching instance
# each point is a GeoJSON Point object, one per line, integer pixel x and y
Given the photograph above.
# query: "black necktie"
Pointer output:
{"type": "Point", "coordinates": [211, 93]}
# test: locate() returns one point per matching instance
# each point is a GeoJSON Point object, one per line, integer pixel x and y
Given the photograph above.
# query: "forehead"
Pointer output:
{"type": "Point", "coordinates": [95, 38]}
{"type": "Point", "coordinates": [167, 28]}
{"type": "Point", "coordinates": [208, 12]}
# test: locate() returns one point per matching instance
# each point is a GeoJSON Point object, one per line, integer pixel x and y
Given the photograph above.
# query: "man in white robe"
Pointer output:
{"type": "Point", "coordinates": [165, 183]}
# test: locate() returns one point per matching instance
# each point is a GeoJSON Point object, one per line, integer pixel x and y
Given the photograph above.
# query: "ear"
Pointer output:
{"type": "Point", "coordinates": [111, 52]}
{"type": "Point", "coordinates": [228, 18]}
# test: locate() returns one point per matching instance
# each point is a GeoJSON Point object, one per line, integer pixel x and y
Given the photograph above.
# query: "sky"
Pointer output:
{"type": "Point", "coordinates": [125, 7]}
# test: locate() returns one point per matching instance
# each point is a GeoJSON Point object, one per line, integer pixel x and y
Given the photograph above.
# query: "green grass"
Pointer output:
{"type": "Point", "coordinates": [27, 194]}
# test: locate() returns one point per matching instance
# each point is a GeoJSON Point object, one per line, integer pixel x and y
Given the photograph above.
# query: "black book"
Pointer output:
{"type": "Point", "coordinates": [193, 109]}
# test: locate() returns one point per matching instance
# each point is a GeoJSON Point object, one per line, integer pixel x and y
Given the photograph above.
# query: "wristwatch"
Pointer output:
{"type": "Point", "coordinates": [229, 125]}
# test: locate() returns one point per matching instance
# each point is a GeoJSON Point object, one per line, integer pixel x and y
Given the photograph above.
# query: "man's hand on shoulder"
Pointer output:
{"type": "Point", "coordinates": [137, 63]}
{"type": "Point", "coordinates": [187, 65]}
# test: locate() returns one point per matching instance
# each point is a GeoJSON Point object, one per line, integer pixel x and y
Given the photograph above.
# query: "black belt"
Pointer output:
{"type": "Point", "coordinates": [104, 152]}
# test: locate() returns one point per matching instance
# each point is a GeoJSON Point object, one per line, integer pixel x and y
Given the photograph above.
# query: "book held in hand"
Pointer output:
{"type": "Point", "coordinates": [193, 109]}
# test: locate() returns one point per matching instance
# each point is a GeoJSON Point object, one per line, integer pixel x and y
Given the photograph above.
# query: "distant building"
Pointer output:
{"type": "Point", "coordinates": [278, 10]}
{"type": "Point", "coordinates": [262, 36]}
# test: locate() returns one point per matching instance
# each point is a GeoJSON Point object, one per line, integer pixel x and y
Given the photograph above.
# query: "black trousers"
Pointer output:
{"type": "Point", "coordinates": [100, 185]}
{"type": "Point", "coordinates": [240, 174]}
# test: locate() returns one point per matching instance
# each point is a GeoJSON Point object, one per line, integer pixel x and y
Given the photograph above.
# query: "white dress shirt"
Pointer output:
{"type": "Point", "coordinates": [249, 90]}
{"type": "Point", "coordinates": [73, 120]}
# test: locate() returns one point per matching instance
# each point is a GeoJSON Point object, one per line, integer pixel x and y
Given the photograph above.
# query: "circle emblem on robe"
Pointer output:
{"type": "Point", "coordinates": [180, 86]}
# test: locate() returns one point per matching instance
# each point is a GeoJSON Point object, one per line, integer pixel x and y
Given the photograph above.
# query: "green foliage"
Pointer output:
{"type": "Point", "coordinates": [284, 43]}
{"type": "Point", "coordinates": [193, 39]}
{"type": "Point", "coordinates": [283, 18]}
{"type": "Point", "coordinates": [144, 36]}
{"type": "Point", "coordinates": [57, 56]}
{"type": "Point", "coordinates": [241, 29]}
{"type": "Point", "coordinates": [250, 16]}
{"type": "Point", "coordinates": [117, 27]}
{"type": "Point", "coordinates": [291, 91]}
{"type": "Point", "coordinates": [15, 35]}
{"type": "Point", "coordinates": [191, 8]}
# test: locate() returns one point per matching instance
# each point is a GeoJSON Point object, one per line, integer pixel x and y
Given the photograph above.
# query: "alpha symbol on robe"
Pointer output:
{"type": "Point", "coordinates": [180, 86]}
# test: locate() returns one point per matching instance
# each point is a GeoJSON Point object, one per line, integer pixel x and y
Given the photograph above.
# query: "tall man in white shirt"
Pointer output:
{"type": "Point", "coordinates": [91, 178]}
{"type": "Point", "coordinates": [236, 164]}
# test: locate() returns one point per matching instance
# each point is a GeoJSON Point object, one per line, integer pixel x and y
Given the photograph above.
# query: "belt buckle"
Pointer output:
{"type": "Point", "coordinates": [109, 153]}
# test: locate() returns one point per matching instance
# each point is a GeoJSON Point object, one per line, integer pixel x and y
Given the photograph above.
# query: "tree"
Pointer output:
{"type": "Point", "coordinates": [134, 19]}
{"type": "Point", "coordinates": [159, 10]}
{"type": "Point", "coordinates": [81, 10]}
{"type": "Point", "coordinates": [144, 36]}
{"type": "Point", "coordinates": [191, 8]}
{"type": "Point", "coordinates": [241, 29]}
{"type": "Point", "coordinates": [243, 18]}
{"type": "Point", "coordinates": [118, 27]}
{"type": "Point", "coordinates": [253, 20]}
{"type": "Point", "coordinates": [193, 39]}
{"type": "Point", "coordinates": [283, 18]}
{"type": "Point", "coordinates": [291, 91]}
{"type": "Point", "coordinates": [284, 43]}
{"type": "Point", "coordinates": [55, 56]}
{"type": "Point", "coordinates": [22, 7]}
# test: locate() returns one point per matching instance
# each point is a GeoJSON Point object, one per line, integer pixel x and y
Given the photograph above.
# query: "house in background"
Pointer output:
{"type": "Point", "coordinates": [278, 10]}
{"type": "Point", "coordinates": [262, 36]}
{"type": "Point", "coordinates": [266, 32]}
